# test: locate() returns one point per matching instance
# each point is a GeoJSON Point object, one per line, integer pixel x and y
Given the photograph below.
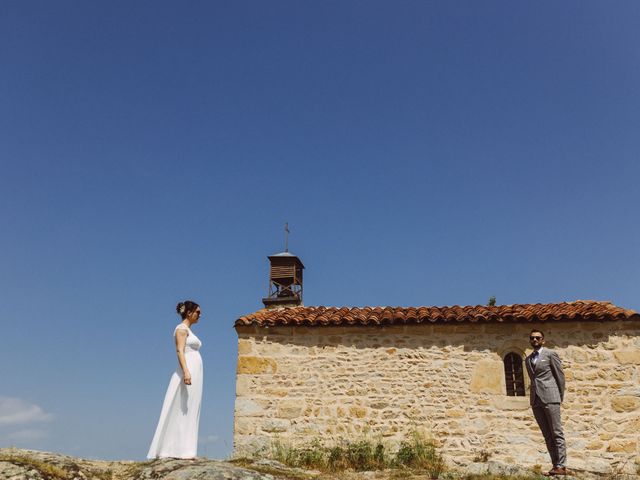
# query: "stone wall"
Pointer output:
{"type": "Point", "coordinates": [301, 383]}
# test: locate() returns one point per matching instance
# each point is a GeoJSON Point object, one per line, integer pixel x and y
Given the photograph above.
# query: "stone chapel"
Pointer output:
{"type": "Point", "coordinates": [454, 373]}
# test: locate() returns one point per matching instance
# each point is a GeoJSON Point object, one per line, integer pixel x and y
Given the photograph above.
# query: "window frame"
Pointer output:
{"type": "Point", "coordinates": [514, 376]}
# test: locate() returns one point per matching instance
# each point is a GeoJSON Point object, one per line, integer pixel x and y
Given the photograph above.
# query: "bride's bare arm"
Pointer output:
{"type": "Point", "coordinates": [181, 340]}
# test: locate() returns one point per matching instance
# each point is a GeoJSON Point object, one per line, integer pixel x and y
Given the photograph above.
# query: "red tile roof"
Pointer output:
{"type": "Point", "coordinates": [581, 310]}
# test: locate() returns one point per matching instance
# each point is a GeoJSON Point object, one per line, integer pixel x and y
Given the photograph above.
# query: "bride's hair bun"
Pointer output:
{"type": "Point", "coordinates": [186, 307]}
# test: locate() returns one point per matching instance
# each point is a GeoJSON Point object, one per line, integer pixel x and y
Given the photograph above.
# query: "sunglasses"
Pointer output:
{"type": "Point", "coordinates": [535, 337]}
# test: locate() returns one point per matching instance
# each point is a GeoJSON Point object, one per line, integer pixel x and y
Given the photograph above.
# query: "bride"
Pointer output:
{"type": "Point", "coordinates": [177, 432]}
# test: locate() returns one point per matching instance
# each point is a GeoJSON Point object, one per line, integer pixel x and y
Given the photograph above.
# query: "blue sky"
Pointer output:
{"type": "Point", "coordinates": [423, 153]}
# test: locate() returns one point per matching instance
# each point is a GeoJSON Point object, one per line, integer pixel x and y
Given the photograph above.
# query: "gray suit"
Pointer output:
{"type": "Point", "coordinates": [546, 394]}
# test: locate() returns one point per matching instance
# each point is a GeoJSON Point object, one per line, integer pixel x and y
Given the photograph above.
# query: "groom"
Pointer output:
{"type": "Point", "coordinates": [547, 392]}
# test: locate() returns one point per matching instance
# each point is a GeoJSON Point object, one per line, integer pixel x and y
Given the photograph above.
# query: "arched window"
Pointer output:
{"type": "Point", "coordinates": [514, 375]}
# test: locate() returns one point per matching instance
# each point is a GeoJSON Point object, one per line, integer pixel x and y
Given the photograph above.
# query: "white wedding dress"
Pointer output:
{"type": "Point", "coordinates": [177, 432]}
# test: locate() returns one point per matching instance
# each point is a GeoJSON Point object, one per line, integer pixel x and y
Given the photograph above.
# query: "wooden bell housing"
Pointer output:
{"type": "Point", "coordinates": [285, 281]}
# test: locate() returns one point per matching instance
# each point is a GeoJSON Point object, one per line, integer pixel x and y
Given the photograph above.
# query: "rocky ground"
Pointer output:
{"type": "Point", "coordinates": [33, 465]}
{"type": "Point", "coordinates": [16, 464]}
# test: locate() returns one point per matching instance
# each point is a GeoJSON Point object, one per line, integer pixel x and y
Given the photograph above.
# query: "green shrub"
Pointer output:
{"type": "Point", "coordinates": [421, 454]}
{"type": "Point", "coordinates": [361, 455]}
{"type": "Point", "coordinates": [312, 456]}
{"type": "Point", "coordinates": [336, 461]}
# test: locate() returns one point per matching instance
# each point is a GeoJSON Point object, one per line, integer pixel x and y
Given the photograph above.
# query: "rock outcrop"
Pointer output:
{"type": "Point", "coordinates": [18, 464]}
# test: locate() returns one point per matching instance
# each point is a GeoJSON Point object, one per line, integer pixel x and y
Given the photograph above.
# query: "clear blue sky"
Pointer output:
{"type": "Point", "coordinates": [423, 153]}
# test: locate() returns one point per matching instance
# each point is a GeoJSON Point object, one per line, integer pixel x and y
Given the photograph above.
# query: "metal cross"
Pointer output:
{"type": "Point", "coordinates": [286, 237]}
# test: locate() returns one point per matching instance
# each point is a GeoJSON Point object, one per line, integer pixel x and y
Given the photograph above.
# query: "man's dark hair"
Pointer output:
{"type": "Point", "coordinates": [537, 331]}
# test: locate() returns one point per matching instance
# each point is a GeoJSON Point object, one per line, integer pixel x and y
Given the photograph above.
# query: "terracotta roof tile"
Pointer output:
{"type": "Point", "coordinates": [580, 310]}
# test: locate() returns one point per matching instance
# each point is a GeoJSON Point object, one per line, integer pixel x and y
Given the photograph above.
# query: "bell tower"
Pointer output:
{"type": "Point", "coordinates": [285, 278]}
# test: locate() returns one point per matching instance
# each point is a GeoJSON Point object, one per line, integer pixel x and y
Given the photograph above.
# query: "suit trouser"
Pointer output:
{"type": "Point", "coordinates": [548, 418]}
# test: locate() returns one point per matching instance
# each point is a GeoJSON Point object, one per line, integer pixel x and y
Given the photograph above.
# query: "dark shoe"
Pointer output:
{"type": "Point", "coordinates": [557, 471]}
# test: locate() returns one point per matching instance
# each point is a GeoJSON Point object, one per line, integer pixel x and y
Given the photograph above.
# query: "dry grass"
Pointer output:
{"type": "Point", "coordinates": [492, 476]}
{"type": "Point", "coordinates": [102, 474]}
{"type": "Point", "coordinates": [128, 471]}
{"type": "Point", "coordinates": [276, 472]}
{"type": "Point", "coordinates": [46, 470]}
{"type": "Point", "coordinates": [416, 455]}
{"type": "Point", "coordinates": [90, 470]}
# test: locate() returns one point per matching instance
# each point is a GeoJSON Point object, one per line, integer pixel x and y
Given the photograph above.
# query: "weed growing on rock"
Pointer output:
{"type": "Point", "coordinates": [482, 456]}
{"type": "Point", "coordinates": [46, 470]}
{"type": "Point", "coordinates": [420, 453]}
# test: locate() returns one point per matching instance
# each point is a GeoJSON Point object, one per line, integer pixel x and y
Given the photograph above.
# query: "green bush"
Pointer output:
{"type": "Point", "coordinates": [312, 456]}
{"type": "Point", "coordinates": [336, 461]}
{"type": "Point", "coordinates": [421, 454]}
{"type": "Point", "coordinates": [360, 456]}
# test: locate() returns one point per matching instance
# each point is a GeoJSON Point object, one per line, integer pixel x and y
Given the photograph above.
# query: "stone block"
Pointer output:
{"type": "Point", "coordinates": [594, 445]}
{"type": "Point", "coordinates": [579, 356]}
{"type": "Point", "coordinates": [248, 408]}
{"type": "Point", "coordinates": [249, 444]}
{"type": "Point", "coordinates": [595, 464]}
{"type": "Point", "coordinates": [628, 357]}
{"type": "Point", "coordinates": [358, 412]}
{"type": "Point", "coordinates": [290, 408]}
{"type": "Point", "coordinates": [632, 426]}
{"type": "Point", "coordinates": [625, 403]}
{"type": "Point", "coordinates": [515, 439]}
{"type": "Point", "coordinates": [591, 375]}
{"type": "Point", "coordinates": [510, 403]}
{"type": "Point", "coordinates": [488, 377]}
{"type": "Point", "coordinates": [276, 392]}
{"type": "Point", "coordinates": [622, 375]}
{"type": "Point", "coordinates": [275, 425]}
{"type": "Point", "coordinates": [627, 446]}
{"type": "Point", "coordinates": [455, 413]}
{"type": "Point", "coordinates": [256, 365]}
{"type": "Point", "coordinates": [243, 386]}
{"type": "Point", "coordinates": [244, 426]}
{"type": "Point", "coordinates": [244, 346]}
{"type": "Point", "coordinates": [268, 348]}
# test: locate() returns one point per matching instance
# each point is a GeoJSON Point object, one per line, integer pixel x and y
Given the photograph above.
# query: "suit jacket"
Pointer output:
{"type": "Point", "coordinates": [547, 377]}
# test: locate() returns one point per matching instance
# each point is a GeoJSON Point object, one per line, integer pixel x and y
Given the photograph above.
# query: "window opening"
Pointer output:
{"type": "Point", "coordinates": [514, 375]}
